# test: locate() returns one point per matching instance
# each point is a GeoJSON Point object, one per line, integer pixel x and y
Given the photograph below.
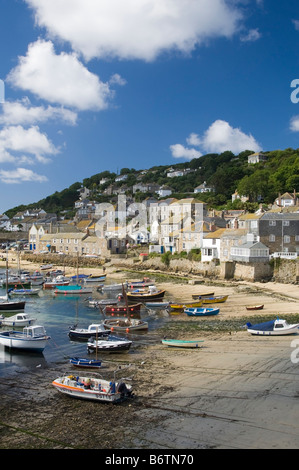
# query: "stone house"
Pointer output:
{"type": "Point", "coordinates": [280, 231]}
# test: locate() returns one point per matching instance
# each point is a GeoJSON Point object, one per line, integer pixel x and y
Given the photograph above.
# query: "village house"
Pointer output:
{"type": "Point", "coordinates": [251, 251]}
{"type": "Point", "coordinates": [287, 200]}
{"type": "Point", "coordinates": [257, 158]}
{"type": "Point", "coordinates": [204, 188]}
{"type": "Point", "coordinates": [280, 231]}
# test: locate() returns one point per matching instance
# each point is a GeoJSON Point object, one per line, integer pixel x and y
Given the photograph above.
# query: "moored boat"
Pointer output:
{"type": "Point", "coordinates": [186, 305]}
{"type": "Point", "coordinates": [180, 343]}
{"type": "Point", "coordinates": [254, 307]}
{"type": "Point", "coordinates": [110, 344]}
{"type": "Point", "coordinates": [55, 282]}
{"type": "Point", "coordinates": [154, 305]}
{"type": "Point", "coordinates": [215, 300]}
{"type": "Point", "coordinates": [131, 310]}
{"type": "Point", "coordinates": [32, 338]}
{"type": "Point", "coordinates": [276, 327]}
{"type": "Point", "coordinates": [91, 388]}
{"type": "Point", "coordinates": [86, 363]}
{"type": "Point", "coordinates": [24, 291]}
{"type": "Point", "coordinates": [201, 312]}
{"type": "Point", "coordinates": [18, 320]}
{"type": "Point", "coordinates": [8, 305]}
{"type": "Point", "coordinates": [125, 325]}
{"type": "Point", "coordinates": [200, 296]}
{"type": "Point", "coordinates": [151, 294]}
{"type": "Point", "coordinates": [70, 290]}
{"type": "Point", "coordinates": [93, 330]}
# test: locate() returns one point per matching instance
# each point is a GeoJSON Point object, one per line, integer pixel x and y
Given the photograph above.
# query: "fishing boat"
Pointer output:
{"type": "Point", "coordinates": [91, 388]}
{"type": "Point", "coordinates": [201, 312]}
{"type": "Point", "coordinates": [254, 307]}
{"type": "Point", "coordinates": [151, 294]}
{"type": "Point", "coordinates": [276, 327]}
{"type": "Point", "coordinates": [8, 305]}
{"type": "Point", "coordinates": [55, 282]}
{"type": "Point", "coordinates": [32, 338]}
{"type": "Point", "coordinates": [122, 309]}
{"type": "Point", "coordinates": [186, 305]}
{"type": "Point", "coordinates": [199, 296]}
{"type": "Point", "coordinates": [70, 290]}
{"type": "Point", "coordinates": [24, 291]}
{"type": "Point", "coordinates": [86, 363]}
{"type": "Point", "coordinates": [93, 330]}
{"type": "Point", "coordinates": [180, 343]}
{"type": "Point", "coordinates": [15, 282]}
{"type": "Point", "coordinates": [125, 325]}
{"type": "Point", "coordinates": [110, 344]}
{"type": "Point", "coordinates": [18, 320]}
{"type": "Point", "coordinates": [215, 300]}
{"type": "Point", "coordinates": [37, 279]}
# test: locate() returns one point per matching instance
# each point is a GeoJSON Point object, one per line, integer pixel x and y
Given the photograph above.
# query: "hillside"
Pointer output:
{"type": "Point", "coordinates": [226, 172]}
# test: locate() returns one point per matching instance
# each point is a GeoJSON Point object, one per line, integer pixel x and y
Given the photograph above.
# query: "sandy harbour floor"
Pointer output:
{"type": "Point", "coordinates": [235, 392]}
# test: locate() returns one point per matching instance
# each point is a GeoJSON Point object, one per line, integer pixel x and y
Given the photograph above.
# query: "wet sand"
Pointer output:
{"type": "Point", "coordinates": [236, 392]}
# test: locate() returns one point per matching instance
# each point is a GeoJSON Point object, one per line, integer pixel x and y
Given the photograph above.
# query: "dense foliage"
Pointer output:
{"type": "Point", "coordinates": [260, 182]}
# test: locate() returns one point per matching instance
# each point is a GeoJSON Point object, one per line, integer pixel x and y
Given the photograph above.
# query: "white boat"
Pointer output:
{"type": "Point", "coordinates": [93, 330]}
{"type": "Point", "coordinates": [32, 338]}
{"type": "Point", "coordinates": [111, 287]}
{"type": "Point", "coordinates": [276, 327]}
{"type": "Point", "coordinates": [153, 305]}
{"type": "Point", "coordinates": [109, 344]}
{"type": "Point", "coordinates": [56, 281]}
{"type": "Point", "coordinates": [179, 343]}
{"type": "Point", "coordinates": [20, 319]}
{"type": "Point", "coordinates": [32, 291]}
{"type": "Point", "coordinates": [93, 388]}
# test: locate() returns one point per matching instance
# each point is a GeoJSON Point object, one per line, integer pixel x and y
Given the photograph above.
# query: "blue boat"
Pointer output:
{"type": "Point", "coordinates": [201, 311]}
{"type": "Point", "coordinates": [87, 363]}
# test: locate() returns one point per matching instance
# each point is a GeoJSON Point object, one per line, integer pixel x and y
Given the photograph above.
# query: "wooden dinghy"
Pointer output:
{"type": "Point", "coordinates": [125, 325]}
{"type": "Point", "coordinates": [86, 363]}
{"type": "Point", "coordinates": [215, 300]}
{"type": "Point", "coordinates": [180, 343]}
{"type": "Point", "coordinates": [201, 312]}
{"type": "Point", "coordinates": [199, 296]}
{"type": "Point", "coordinates": [185, 305]}
{"type": "Point", "coordinates": [254, 307]}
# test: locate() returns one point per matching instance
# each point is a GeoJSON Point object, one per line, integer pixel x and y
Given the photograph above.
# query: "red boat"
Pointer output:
{"type": "Point", "coordinates": [116, 310]}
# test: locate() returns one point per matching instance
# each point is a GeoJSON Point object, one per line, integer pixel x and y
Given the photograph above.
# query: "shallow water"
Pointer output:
{"type": "Point", "coordinates": [57, 313]}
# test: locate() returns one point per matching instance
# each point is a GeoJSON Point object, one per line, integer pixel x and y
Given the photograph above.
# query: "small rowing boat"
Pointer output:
{"type": "Point", "coordinates": [215, 300]}
{"type": "Point", "coordinates": [180, 343]}
{"type": "Point", "coordinates": [201, 312]}
{"type": "Point", "coordinates": [254, 307]}
{"type": "Point", "coordinates": [199, 296]}
{"type": "Point", "coordinates": [185, 305]}
{"type": "Point", "coordinates": [86, 363]}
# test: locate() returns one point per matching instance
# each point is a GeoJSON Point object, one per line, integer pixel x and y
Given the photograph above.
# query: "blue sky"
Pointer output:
{"type": "Point", "coordinates": [95, 85]}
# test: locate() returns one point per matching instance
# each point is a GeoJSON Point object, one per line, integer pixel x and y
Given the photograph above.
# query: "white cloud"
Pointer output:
{"type": "Point", "coordinates": [218, 138]}
{"type": "Point", "coordinates": [294, 124]}
{"type": "Point", "coordinates": [296, 24]}
{"type": "Point", "coordinates": [251, 36]}
{"type": "Point", "coordinates": [21, 112]}
{"type": "Point", "coordinates": [17, 142]}
{"type": "Point", "coordinates": [20, 175]}
{"type": "Point", "coordinates": [59, 78]}
{"type": "Point", "coordinates": [179, 151]}
{"type": "Point", "coordinates": [135, 29]}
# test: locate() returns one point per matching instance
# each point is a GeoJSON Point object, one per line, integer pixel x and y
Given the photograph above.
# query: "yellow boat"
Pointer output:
{"type": "Point", "coordinates": [215, 300]}
{"type": "Point", "coordinates": [186, 305]}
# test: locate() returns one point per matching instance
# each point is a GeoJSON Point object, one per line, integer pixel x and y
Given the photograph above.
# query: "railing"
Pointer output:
{"type": "Point", "coordinates": [284, 255]}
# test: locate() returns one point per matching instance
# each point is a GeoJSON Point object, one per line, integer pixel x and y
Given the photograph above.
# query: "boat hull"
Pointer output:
{"type": "Point", "coordinates": [12, 306]}
{"type": "Point", "coordinates": [100, 392]}
{"type": "Point", "coordinates": [201, 312]}
{"type": "Point", "coordinates": [182, 343]}
{"type": "Point", "coordinates": [214, 300]}
{"type": "Point", "coordinates": [144, 297]}
{"type": "Point", "coordinates": [125, 326]}
{"type": "Point", "coordinates": [110, 345]}
{"type": "Point", "coordinates": [186, 305]}
{"type": "Point", "coordinates": [13, 342]}
{"type": "Point", "coordinates": [85, 363]}
{"type": "Point", "coordinates": [255, 307]}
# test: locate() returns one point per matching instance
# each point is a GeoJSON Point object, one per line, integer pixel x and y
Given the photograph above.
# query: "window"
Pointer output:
{"type": "Point", "coordinates": [271, 238]}
{"type": "Point", "coordinates": [285, 223]}
{"type": "Point", "coordinates": [272, 222]}
{"type": "Point", "coordinates": [286, 239]}
{"type": "Point", "coordinates": [296, 238]}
